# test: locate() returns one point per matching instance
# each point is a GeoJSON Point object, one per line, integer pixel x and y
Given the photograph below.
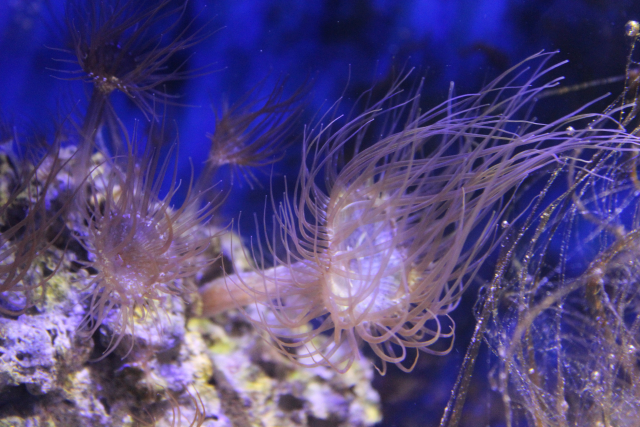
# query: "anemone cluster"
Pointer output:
{"type": "Point", "coordinates": [394, 213]}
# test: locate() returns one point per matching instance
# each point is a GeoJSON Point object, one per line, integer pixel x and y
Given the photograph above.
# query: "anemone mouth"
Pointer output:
{"type": "Point", "coordinates": [366, 279]}
{"type": "Point", "coordinates": [129, 258]}
{"type": "Point", "coordinates": [107, 66]}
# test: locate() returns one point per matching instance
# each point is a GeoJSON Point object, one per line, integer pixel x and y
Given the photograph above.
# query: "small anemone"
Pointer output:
{"type": "Point", "coordinates": [140, 246]}
{"type": "Point", "coordinates": [247, 137]}
{"type": "Point", "coordinates": [123, 46]}
{"type": "Point", "coordinates": [127, 46]}
{"type": "Point", "coordinates": [380, 246]}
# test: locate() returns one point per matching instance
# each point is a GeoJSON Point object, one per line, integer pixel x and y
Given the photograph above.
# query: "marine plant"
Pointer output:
{"type": "Point", "coordinates": [561, 314]}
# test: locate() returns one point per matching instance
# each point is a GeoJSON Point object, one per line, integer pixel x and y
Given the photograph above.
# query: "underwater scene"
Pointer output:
{"type": "Point", "coordinates": [319, 213]}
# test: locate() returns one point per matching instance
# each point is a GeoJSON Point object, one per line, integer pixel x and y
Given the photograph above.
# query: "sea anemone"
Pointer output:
{"type": "Point", "coordinates": [247, 138]}
{"type": "Point", "coordinates": [139, 245]}
{"type": "Point", "coordinates": [123, 46]}
{"type": "Point", "coordinates": [379, 248]}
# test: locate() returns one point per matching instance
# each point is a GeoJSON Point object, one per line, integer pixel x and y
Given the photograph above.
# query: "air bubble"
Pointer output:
{"type": "Point", "coordinates": [505, 224]}
{"type": "Point", "coordinates": [564, 406]}
{"type": "Point", "coordinates": [632, 29]}
{"type": "Point", "coordinates": [595, 376]}
{"type": "Point", "coordinates": [571, 131]}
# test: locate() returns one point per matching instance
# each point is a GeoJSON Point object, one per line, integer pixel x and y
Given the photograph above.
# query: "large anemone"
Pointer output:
{"type": "Point", "coordinates": [379, 248]}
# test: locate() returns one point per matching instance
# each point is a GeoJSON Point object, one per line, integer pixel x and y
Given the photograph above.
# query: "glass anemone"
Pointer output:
{"type": "Point", "coordinates": [140, 247]}
{"type": "Point", "coordinates": [379, 246]}
{"type": "Point", "coordinates": [248, 137]}
{"type": "Point", "coordinates": [126, 46]}
{"type": "Point", "coordinates": [123, 45]}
